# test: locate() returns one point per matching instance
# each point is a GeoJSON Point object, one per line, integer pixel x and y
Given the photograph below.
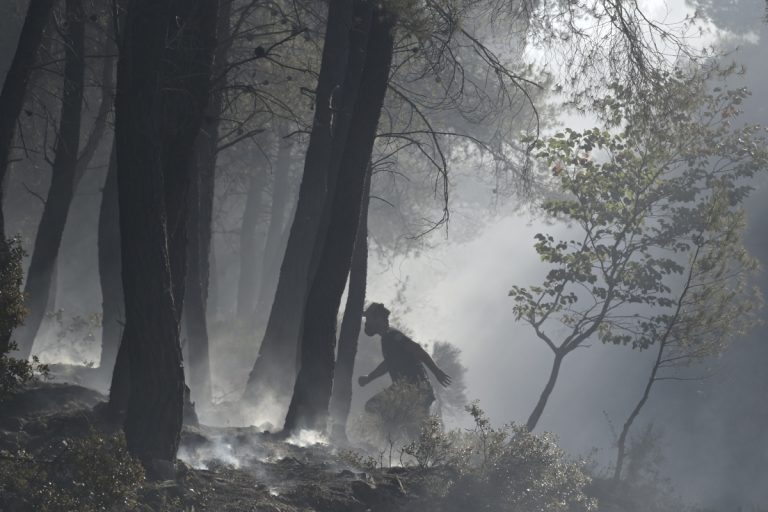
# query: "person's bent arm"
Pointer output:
{"type": "Point", "coordinates": [442, 377]}
{"type": "Point", "coordinates": [375, 374]}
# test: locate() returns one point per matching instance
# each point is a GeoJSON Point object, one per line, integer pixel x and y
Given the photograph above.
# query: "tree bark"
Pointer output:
{"type": "Point", "coordinates": [163, 81]}
{"type": "Point", "coordinates": [533, 419]}
{"type": "Point", "coordinates": [341, 397]}
{"type": "Point", "coordinates": [275, 368]}
{"type": "Point", "coordinates": [108, 246]}
{"type": "Point", "coordinates": [14, 90]}
{"type": "Point", "coordinates": [194, 305]}
{"type": "Point", "coordinates": [312, 391]}
{"type": "Point", "coordinates": [622, 442]}
{"type": "Point", "coordinates": [201, 217]}
{"type": "Point", "coordinates": [51, 227]}
{"type": "Point", "coordinates": [99, 128]}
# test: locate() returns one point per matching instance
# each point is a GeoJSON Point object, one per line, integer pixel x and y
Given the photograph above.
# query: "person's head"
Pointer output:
{"type": "Point", "coordinates": [376, 319]}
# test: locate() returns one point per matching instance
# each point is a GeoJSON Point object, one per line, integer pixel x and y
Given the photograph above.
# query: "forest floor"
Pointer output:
{"type": "Point", "coordinates": [220, 469]}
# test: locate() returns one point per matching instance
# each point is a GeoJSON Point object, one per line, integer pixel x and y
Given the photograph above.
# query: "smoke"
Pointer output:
{"type": "Point", "coordinates": [267, 417]}
{"type": "Point", "coordinates": [217, 450]}
{"type": "Point", "coordinates": [235, 448]}
{"type": "Point", "coordinates": [305, 438]}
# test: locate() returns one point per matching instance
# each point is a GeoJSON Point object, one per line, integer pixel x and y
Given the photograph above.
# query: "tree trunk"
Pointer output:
{"type": "Point", "coordinates": [163, 81]}
{"type": "Point", "coordinates": [533, 419]}
{"type": "Point", "coordinates": [194, 305]}
{"type": "Point", "coordinates": [341, 397]}
{"type": "Point", "coordinates": [108, 245]}
{"type": "Point", "coordinates": [51, 228]}
{"type": "Point", "coordinates": [14, 90]}
{"type": "Point", "coordinates": [249, 249]}
{"type": "Point", "coordinates": [275, 368]}
{"type": "Point", "coordinates": [200, 221]}
{"type": "Point", "coordinates": [274, 246]}
{"type": "Point", "coordinates": [99, 127]}
{"type": "Point", "coordinates": [621, 445]}
{"type": "Point", "coordinates": [312, 392]}
{"type": "Point", "coordinates": [214, 297]}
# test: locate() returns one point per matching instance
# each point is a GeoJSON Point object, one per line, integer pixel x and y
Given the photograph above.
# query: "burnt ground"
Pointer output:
{"type": "Point", "coordinates": [226, 469]}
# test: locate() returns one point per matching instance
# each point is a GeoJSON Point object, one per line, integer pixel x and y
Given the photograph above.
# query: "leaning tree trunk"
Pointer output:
{"type": "Point", "coordinates": [14, 90]}
{"type": "Point", "coordinates": [163, 80]}
{"type": "Point", "coordinates": [99, 128]}
{"type": "Point", "coordinates": [312, 392]}
{"type": "Point", "coordinates": [274, 245]}
{"type": "Point", "coordinates": [274, 371]}
{"type": "Point", "coordinates": [533, 419]}
{"type": "Point", "coordinates": [51, 228]}
{"type": "Point", "coordinates": [341, 398]}
{"type": "Point", "coordinates": [194, 304]}
{"type": "Point", "coordinates": [108, 246]}
{"type": "Point", "coordinates": [11, 103]}
{"type": "Point", "coordinates": [621, 445]}
{"type": "Point", "coordinates": [249, 248]}
{"type": "Point", "coordinates": [201, 217]}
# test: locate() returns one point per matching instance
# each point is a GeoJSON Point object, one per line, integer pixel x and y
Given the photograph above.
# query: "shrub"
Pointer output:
{"type": "Point", "coordinates": [489, 469]}
{"type": "Point", "coordinates": [510, 469]}
{"type": "Point", "coordinates": [434, 447]}
{"type": "Point", "coordinates": [91, 474]}
{"type": "Point", "coordinates": [14, 373]}
{"type": "Point", "coordinates": [396, 420]}
{"type": "Point", "coordinates": [11, 296]}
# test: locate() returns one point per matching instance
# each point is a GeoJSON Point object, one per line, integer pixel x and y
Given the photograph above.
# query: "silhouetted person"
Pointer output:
{"type": "Point", "coordinates": [404, 360]}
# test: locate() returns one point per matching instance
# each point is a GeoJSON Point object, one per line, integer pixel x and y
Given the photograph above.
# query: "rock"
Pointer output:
{"type": "Point", "coordinates": [36, 427]}
{"type": "Point", "coordinates": [162, 470]}
{"type": "Point", "coordinates": [364, 492]}
{"type": "Point", "coordinates": [394, 485]}
{"type": "Point", "coordinates": [266, 427]}
{"type": "Point", "coordinates": [189, 413]}
{"type": "Point", "coordinates": [12, 424]}
{"type": "Point", "coordinates": [192, 438]}
{"type": "Point", "coordinates": [182, 468]}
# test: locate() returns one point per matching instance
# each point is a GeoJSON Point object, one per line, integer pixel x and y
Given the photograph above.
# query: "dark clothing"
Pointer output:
{"type": "Point", "coordinates": [399, 353]}
{"type": "Point", "coordinates": [403, 365]}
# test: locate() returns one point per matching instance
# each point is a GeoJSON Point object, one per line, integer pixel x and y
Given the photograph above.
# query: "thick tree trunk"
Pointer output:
{"type": "Point", "coordinates": [533, 419]}
{"type": "Point", "coordinates": [214, 297]}
{"type": "Point", "coordinates": [341, 398]}
{"type": "Point", "coordinates": [274, 246]}
{"type": "Point", "coordinates": [194, 304]}
{"type": "Point", "coordinates": [249, 248]}
{"type": "Point", "coordinates": [14, 90]}
{"type": "Point", "coordinates": [274, 372]}
{"type": "Point", "coordinates": [312, 392]}
{"type": "Point", "coordinates": [99, 128]}
{"type": "Point", "coordinates": [163, 80]}
{"type": "Point", "coordinates": [108, 246]}
{"type": "Point", "coordinates": [51, 228]}
{"type": "Point", "coordinates": [200, 220]}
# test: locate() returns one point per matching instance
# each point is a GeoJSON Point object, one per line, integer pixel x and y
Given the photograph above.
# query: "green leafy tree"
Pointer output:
{"type": "Point", "coordinates": [712, 306]}
{"type": "Point", "coordinates": [654, 252]}
{"type": "Point", "coordinates": [14, 372]}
